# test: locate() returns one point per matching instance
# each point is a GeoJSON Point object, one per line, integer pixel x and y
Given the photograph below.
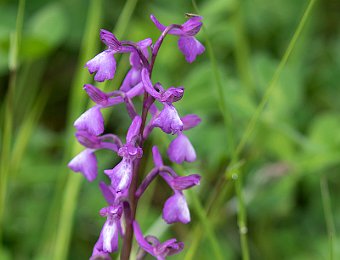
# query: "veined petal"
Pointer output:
{"type": "Point", "coordinates": [121, 175]}
{"type": "Point", "coordinates": [168, 120]}
{"type": "Point", "coordinates": [110, 236]}
{"type": "Point", "coordinates": [180, 150]}
{"type": "Point", "coordinates": [192, 26]}
{"type": "Point", "coordinates": [98, 96]}
{"type": "Point", "coordinates": [85, 163]}
{"type": "Point", "coordinates": [92, 121]}
{"type": "Point", "coordinates": [176, 209]}
{"type": "Point", "coordinates": [104, 64]}
{"type": "Point", "coordinates": [190, 47]}
{"type": "Point", "coordinates": [110, 40]}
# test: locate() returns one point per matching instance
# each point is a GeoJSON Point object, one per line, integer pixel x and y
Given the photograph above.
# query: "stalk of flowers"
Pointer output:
{"type": "Point", "coordinates": [126, 186]}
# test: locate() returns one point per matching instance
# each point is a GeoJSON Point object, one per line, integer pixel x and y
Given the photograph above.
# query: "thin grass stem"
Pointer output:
{"type": "Point", "coordinates": [327, 209]}
{"type": "Point", "coordinates": [252, 123]}
{"type": "Point", "coordinates": [15, 40]}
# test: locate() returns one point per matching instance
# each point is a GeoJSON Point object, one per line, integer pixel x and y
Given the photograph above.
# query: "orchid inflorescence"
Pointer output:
{"type": "Point", "coordinates": [123, 193]}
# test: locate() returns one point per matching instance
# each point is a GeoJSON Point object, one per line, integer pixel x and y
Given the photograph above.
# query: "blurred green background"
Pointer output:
{"type": "Point", "coordinates": [278, 190]}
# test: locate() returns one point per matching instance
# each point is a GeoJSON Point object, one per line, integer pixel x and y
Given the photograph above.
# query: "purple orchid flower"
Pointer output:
{"type": "Point", "coordinates": [152, 245]}
{"type": "Point", "coordinates": [122, 197]}
{"type": "Point", "coordinates": [187, 43]}
{"type": "Point", "coordinates": [121, 174]}
{"type": "Point", "coordinates": [180, 150]}
{"type": "Point", "coordinates": [104, 64]}
{"type": "Point", "coordinates": [168, 119]}
{"type": "Point", "coordinates": [91, 121]}
{"type": "Point", "coordinates": [85, 163]}
{"type": "Point", "coordinates": [133, 77]}
{"type": "Point", "coordinates": [176, 209]}
{"type": "Point", "coordinates": [108, 239]}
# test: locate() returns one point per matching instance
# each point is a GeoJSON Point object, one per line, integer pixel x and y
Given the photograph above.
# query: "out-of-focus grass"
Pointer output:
{"type": "Point", "coordinates": [295, 142]}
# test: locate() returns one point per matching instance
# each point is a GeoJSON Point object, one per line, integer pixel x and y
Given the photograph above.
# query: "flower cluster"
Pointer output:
{"type": "Point", "coordinates": [123, 192]}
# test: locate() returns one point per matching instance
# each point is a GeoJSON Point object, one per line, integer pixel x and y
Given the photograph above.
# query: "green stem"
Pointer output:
{"type": "Point", "coordinates": [327, 208]}
{"type": "Point", "coordinates": [242, 215]}
{"type": "Point", "coordinates": [15, 40]}
{"type": "Point", "coordinates": [241, 50]}
{"type": "Point", "coordinates": [252, 123]}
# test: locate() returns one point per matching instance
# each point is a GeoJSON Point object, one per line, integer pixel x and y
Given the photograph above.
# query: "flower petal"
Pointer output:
{"type": "Point", "coordinates": [190, 47]}
{"type": "Point", "coordinates": [104, 64]}
{"type": "Point", "coordinates": [134, 129]}
{"type": "Point", "coordinates": [85, 163]}
{"type": "Point", "coordinates": [185, 182]}
{"type": "Point", "coordinates": [190, 121]}
{"type": "Point", "coordinates": [108, 193]}
{"type": "Point", "coordinates": [168, 120]}
{"type": "Point", "coordinates": [141, 240]}
{"type": "Point", "coordinates": [157, 158]}
{"type": "Point", "coordinates": [92, 121]}
{"type": "Point", "coordinates": [180, 150]}
{"type": "Point", "coordinates": [148, 84]}
{"type": "Point", "coordinates": [98, 96]}
{"type": "Point", "coordinates": [132, 78]}
{"type": "Point", "coordinates": [121, 175]}
{"type": "Point", "coordinates": [110, 236]}
{"type": "Point", "coordinates": [176, 209]}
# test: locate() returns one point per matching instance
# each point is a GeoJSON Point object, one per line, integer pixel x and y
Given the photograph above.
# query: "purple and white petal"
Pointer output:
{"type": "Point", "coordinates": [85, 163]}
{"type": "Point", "coordinates": [110, 236]}
{"type": "Point", "coordinates": [121, 175]}
{"type": "Point", "coordinates": [92, 121]}
{"type": "Point", "coordinates": [168, 120]}
{"type": "Point", "coordinates": [190, 47]}
{"type": "Point", "coordinates": [176, 209]}
{"type": "Point", "coordinates": [98, 253]}
{"type": "Point", "coordinates": [104, 64]}
{"type": "Point", "coordinates": [180, 150]}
